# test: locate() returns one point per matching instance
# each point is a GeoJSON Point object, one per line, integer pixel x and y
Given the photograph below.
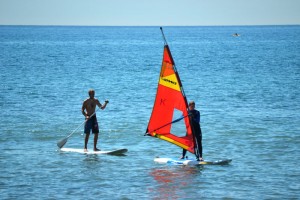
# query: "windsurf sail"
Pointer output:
{"type": "Point", "coordinates": [170, 100]}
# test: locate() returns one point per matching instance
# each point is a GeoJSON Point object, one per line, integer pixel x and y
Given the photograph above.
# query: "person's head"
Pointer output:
{"type": "Point", "coordinates": [192, 105]}
{"type": "Point", "coordinates": [91, 93]}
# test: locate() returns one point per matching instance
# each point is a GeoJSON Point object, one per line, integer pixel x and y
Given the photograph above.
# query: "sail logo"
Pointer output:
{"type": "Point", "coordinates": [162, 101]}
{"type": "Point", "coordinates": [170, 82]}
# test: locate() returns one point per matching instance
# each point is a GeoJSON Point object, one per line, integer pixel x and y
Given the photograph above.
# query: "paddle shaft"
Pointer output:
{"type": "Point", "coordinates": [62, 142]}
{"type": "Point", "coordinates": [81, 125]}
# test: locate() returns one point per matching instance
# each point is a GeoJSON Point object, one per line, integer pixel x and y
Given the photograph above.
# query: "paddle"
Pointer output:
{"type": "Point", "coordinates": [62, 142]}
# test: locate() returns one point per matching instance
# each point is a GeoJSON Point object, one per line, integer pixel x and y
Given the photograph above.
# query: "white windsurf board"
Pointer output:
{"type": "Point", "coordinates": [191, 161]}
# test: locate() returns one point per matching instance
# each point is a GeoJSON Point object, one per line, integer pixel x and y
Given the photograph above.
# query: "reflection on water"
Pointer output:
{"type": "Point", "coordinates": [174, 180]}
{"type": "Point", "coordinates": [91, 158]}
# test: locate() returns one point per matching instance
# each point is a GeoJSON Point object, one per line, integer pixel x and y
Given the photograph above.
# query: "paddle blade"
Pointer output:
{"type": "Point", "coordinates": [62, 142]}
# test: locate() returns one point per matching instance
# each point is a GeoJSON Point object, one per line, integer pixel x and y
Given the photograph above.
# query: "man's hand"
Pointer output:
{"type": "Point", "coordinates": [106, 101]}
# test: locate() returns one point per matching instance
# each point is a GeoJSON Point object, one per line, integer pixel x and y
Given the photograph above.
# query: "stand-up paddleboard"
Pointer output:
{"type": "Point", "coordinates": [90, 151]}
{"type": "Point", "coordinates": [191, 162]}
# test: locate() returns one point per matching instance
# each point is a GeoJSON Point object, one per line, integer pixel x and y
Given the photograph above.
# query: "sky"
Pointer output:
{"type": "Point", "coordinates": [149, 12]}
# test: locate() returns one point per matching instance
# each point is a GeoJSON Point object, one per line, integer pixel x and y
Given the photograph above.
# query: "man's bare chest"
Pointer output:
{"type": "Point", "coordinates": [90, 104]}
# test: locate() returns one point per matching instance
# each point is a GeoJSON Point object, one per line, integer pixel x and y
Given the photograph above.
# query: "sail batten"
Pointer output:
{"type": "Point", "coordinates": [170, 97]}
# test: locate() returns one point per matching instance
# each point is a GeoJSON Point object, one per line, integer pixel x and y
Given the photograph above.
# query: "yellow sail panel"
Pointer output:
{"type": "Point", "coordinates": [170, 82]}
{"type": "Point", "coordinates": [172, 141]}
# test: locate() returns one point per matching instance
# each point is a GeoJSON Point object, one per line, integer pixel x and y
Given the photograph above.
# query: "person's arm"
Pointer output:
{"type": "Point", "coordinates": [197, 117]}
{"type": "Point", "coordinates": [83, 109]}
{"type": "Point", "coordinates": [102, 106]}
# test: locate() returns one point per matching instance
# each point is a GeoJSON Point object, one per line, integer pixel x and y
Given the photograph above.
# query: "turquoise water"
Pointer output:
{"type": "Point", "coordinates": [247, 89]}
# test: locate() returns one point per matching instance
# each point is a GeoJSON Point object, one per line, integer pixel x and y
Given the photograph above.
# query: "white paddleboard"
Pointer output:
{"type": "Point", "coordinates": [90, 151]}
{"type": "Point", "coordinates": [190, 161]}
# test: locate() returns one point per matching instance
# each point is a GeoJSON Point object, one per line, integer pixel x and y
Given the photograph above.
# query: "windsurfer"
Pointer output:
{"type": "Point", "coordinates": [88, 110]}
{"type": "Point", "coordinates": [195, 119]}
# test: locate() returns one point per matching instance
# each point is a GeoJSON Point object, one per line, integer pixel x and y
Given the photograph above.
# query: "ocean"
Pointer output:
{"type": "Point", "coordinates": [246, 88]}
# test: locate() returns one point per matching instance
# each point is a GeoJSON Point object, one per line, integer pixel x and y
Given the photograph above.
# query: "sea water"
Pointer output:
{"type": "Point", "coordinates": [246, 88]}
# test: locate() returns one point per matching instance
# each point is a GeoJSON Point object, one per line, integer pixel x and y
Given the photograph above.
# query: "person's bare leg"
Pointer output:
{"type": "Point", "coordinates": [86, 140]}
{"type": "Point", "coordinates": [96, 141]}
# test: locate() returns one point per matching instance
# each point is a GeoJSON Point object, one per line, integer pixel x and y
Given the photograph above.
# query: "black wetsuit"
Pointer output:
{"type": "Point", "coordinates": [195, 120]}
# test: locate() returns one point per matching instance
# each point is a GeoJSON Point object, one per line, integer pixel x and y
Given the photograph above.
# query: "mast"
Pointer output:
{"type": "Point", "coordinates": [162, 32]}
{"type": "Point", "coordinates": [174, 66]}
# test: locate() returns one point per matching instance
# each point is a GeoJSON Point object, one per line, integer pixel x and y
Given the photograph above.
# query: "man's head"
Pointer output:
{"type": "Point", "coordinates": [91, 93]}
{"type": "Point", "coordinates": [192, 105]}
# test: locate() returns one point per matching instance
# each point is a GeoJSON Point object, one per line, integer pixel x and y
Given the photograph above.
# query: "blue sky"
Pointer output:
{"type": "Point", "coordinates": [149, 12]}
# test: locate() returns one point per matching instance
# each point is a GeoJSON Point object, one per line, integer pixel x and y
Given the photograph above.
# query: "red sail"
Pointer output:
{"type": "Point", "coordinates": [170, 98]}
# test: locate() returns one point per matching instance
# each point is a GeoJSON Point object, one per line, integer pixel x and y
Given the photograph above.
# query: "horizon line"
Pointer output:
{"type": "Point", "coordinates": [78, 25]}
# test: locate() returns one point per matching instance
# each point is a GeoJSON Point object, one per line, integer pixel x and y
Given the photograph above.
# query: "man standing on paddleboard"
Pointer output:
{"type": "Point", "coordinates": [88, 110]}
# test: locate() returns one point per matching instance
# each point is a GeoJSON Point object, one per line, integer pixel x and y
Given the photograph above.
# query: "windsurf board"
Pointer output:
{"type": "Point", "coordinates": [191, 162]}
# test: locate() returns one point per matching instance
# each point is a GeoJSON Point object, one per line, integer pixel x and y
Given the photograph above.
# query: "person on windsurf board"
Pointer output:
{"type": "Point", "coordinates": [195, 119]}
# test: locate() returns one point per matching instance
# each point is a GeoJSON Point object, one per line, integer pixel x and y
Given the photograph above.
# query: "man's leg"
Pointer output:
{"type": "Point", "coordinates": [96, 141]}
{"type": "Point", "coordinates": [86, 140]}
{"type": "Point", "coordinates": [183, 154]}
{"type": "Point", "coordinates": [200, 143]}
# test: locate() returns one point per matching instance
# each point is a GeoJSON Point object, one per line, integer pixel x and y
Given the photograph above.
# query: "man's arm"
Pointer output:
{"type": "Point", "coordinates": [83, 109]}
{"type": "Point", "coordinates": [197, 117]}
{"type": "Point", "coordinates": [102, 106]}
